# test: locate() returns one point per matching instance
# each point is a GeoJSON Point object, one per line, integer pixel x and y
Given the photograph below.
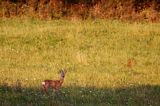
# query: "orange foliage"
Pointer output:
{"type": "Point", "coordinates": [116, 9]}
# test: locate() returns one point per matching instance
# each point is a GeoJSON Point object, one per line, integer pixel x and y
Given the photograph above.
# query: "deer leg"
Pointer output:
{"type": "Point", "coordinates": [57, 92]}
{"type": "Point", "coordinates": [45, 88]}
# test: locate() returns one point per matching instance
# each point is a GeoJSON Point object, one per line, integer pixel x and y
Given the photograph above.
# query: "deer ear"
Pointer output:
{"type": "Point", "coordinates": [60, 71]}
{"type": "Point", "coordinates": [65, 71]}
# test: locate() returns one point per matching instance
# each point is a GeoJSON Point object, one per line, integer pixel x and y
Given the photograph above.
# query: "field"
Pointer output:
{"type": "Point", "coordinates": [108, 62]}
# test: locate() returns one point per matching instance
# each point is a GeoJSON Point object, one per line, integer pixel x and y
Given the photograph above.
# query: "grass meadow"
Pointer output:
{"type": "Point", "coordinates": [108, 62]}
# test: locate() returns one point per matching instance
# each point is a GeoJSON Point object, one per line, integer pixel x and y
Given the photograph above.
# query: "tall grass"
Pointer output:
{"type": "Point", "coordinates": [95, 53]}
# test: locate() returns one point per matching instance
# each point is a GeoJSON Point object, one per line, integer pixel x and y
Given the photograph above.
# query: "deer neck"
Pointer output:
{"type": "Point", "coordinates": [61, 80]}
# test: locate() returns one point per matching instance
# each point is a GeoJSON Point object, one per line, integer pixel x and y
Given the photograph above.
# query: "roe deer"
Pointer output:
{"type": "Point", "coordinates": [54, 84]}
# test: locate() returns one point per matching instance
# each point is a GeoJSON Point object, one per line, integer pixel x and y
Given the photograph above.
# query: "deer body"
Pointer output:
{"type": "Point", "coordinates": [54, 84]}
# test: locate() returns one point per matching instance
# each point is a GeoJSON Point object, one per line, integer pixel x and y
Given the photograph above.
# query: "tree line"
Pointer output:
{"type": "Point", "coordinates": [116, 9]}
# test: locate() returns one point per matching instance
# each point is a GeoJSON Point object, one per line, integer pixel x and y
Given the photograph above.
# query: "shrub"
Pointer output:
{"type": "Point", "coordinates": [117, 9]}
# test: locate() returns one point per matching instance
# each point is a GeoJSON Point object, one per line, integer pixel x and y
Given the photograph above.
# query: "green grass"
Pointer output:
{"type": "Point", "coordinates": [96, 55]}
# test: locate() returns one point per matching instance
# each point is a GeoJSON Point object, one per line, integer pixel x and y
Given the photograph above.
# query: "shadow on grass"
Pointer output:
{"type": "Point", "coordinates": [77, 96]}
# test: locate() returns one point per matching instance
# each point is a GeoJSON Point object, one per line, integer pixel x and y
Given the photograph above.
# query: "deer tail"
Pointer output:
{"type": "Point", "coordinates": [43, 83]}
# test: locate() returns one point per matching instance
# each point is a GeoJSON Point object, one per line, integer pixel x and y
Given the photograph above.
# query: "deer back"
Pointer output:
{"type": "Point", "coordinates": [55, 84]}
